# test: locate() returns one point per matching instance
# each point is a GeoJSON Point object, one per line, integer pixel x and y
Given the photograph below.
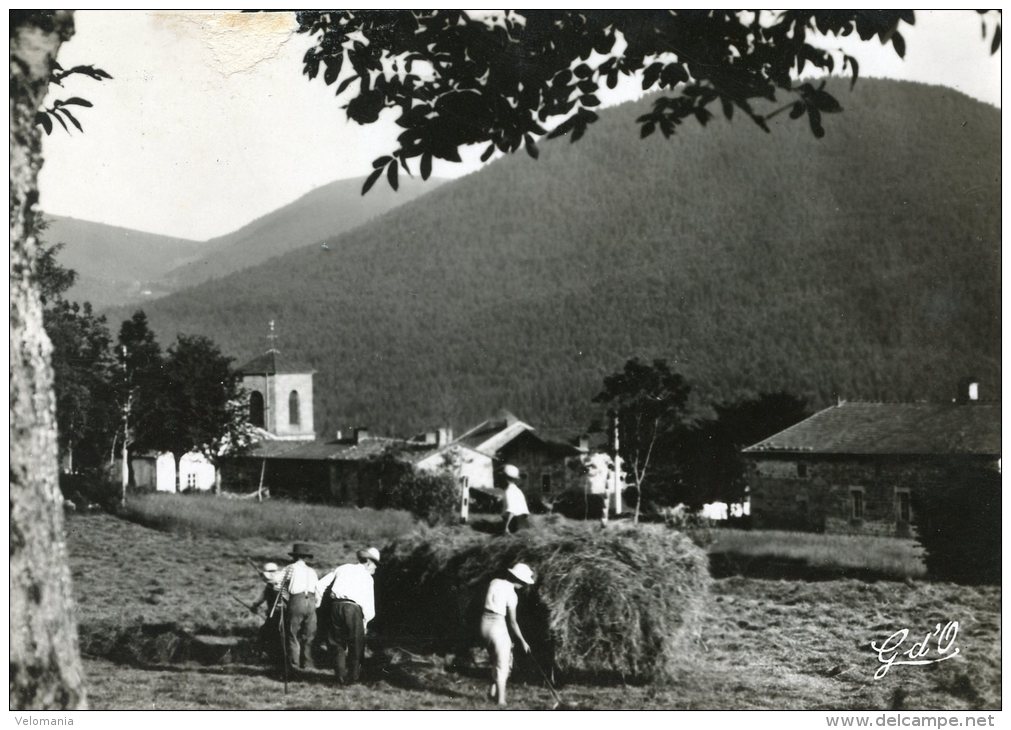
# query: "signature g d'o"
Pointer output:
{"type": "Point", "coordinates": [936, 646]}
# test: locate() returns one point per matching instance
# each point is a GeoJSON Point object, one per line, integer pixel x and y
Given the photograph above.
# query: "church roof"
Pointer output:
{"type": "Point", "coordinates": [271, 363]}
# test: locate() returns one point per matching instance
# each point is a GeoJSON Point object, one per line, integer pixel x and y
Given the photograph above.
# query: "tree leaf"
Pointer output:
{"type": "Point", "coordinates": [899, 43]}
{"type": "Point", "coordinates": [486, 155]}
{"type": "Point", "coordinates": [531, 146]}
{"type": "Point", "coordinates": [43, 119]}
{"type": "Point", "coordinates": [371, 180]}
{"type": "Point", "coordinates": [345, 83]}
{"type": "Point", "coordinates": [333, 69]}
{"type": "Point", "coordinates": [589, 100]}
{"type": "Point", "coordinates": [426, 165]}
{"type": "Point", "coordinates": [72, 119]}
{"type": "Point", "coordinates": [856, 70]}
{"type": "Point", "coordinates": [78, 101]}
{"type": "Point", "coordinates": [995, 46]}
{"type": "Point", "coordinates": [391, 174]}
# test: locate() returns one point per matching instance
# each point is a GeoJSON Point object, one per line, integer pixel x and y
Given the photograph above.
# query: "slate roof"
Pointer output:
{"type": "Point", "coordinates": [892, 429]}
{"type": "Point", "coordinates": [271, 363]}
{"type": "Point", "coordinates": [320, 450]}
{"type": "Point", "coordinates": [491, 435]}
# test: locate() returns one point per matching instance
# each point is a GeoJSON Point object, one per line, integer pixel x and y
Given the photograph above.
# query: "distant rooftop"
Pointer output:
{"type": "Point", "coordinates": [271, 363]}
{"type": "Point", "coordinates": [892, 429]}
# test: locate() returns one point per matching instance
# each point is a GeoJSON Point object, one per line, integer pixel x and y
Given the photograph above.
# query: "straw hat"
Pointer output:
{"type": "Point", "coordinates": [522, 573]}
{"type": "Point", "coordinates": [510, 471]}
{"type": "Point", "coordinates": [301, 550]}
{"type": "Point", "coordinates": [369, 553]}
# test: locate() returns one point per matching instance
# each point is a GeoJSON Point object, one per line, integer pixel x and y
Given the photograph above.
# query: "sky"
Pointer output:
{"type": "Point", "coordinates": [208, 122]}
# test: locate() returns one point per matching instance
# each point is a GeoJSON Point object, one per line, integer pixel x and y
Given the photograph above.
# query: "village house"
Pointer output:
{"type": "Point", "coordinates": [547, 468]}
{"type": "Point", "coordinates": [289, 461]}
{"type": "Point", "coordinates": [856, 467]}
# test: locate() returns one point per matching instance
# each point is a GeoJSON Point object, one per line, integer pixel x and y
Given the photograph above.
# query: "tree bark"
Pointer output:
{"type": "Point", "coordinates": [45, 664]}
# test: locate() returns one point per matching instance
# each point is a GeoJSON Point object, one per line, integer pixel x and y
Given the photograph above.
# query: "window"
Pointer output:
{"type": "Point", "coordinates": [802, 505]}
{"type": "Point", "coordinates": [256, 408]}
{"type": "Point", "coordinates": [293, 415]}
{"type": "Point", "coordinates": [857, 503]}
{"type": "Point", "coordinates": [903, 505]}
{"type": "Point", "coordinates": [546, 483]}
{"type": "Point", "coordinates": [191, 481]}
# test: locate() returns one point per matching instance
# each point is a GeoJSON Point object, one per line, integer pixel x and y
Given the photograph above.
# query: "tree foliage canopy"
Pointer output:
{"type": "Point", "coordinates": [503, 79]}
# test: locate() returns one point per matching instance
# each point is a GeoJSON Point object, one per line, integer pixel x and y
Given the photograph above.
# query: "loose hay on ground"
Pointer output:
{"type": "Point", "coordinates": [621, 603]}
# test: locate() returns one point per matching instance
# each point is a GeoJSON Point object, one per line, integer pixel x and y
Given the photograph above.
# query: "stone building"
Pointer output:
{"type": "Point", "coordinates": [280, 396]}
{"type": "Point", "coordinates": [856, 467]}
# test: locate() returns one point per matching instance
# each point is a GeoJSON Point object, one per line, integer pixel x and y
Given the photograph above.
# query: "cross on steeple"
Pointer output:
{"type": "Point", "coordinates": [272, 338]}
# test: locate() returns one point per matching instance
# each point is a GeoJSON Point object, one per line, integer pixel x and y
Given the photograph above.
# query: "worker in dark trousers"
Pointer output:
{"type": "Point", "coordinates": [353, 605]}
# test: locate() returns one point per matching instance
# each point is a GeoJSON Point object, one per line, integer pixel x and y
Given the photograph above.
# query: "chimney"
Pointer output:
{"type": "Point", "coordinates": [443, 436]}
{"type": "Point", "coordinates": [361, 434]}
{"type": "Point", "coordinates": [340, 435]}
{"type": "Point", "coordinates": [968, 390]}
{"type": "Point", "coordinates": [431, 438]}
{"type": "Point", "coordinates": [584, 443]}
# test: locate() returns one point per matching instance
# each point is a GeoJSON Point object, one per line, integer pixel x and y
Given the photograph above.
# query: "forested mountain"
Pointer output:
{"type": "Point", "coordinates": [119, 265]}
{"type": "Point", "coordinates": [314, 218]}
{"type": "Point", "coordinates": [113, 264]}
{"type": "Point", "coordinates": [865, 265]}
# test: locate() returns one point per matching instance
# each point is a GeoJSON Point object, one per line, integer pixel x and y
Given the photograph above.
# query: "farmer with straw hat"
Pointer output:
{"type": "Point", "coordinates": [499, 620]}
{"type": "Point", "coordinates": [515, 513]}
{"type": "Point", "coordinates": [272, 576]}
{"type": "Point", "coordinates": [349, 591]}
{"type": "Point", "coordinates": [298, 591]}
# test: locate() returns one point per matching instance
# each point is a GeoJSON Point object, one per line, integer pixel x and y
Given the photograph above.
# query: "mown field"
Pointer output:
{"type": "Point", "coordinates": [769, 643]}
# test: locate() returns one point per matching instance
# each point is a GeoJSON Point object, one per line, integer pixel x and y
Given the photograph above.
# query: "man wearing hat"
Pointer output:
{"type": "Point", "coordinates": [298, 591]}
{"type": "Point", "coordinates": [499, 621]}
{"type": "Point", "coordinates": [272, 576]}
{"type": "Point", "coordinates": [352, 606]}
{"type": "Point", "coordinates": [515, 513]}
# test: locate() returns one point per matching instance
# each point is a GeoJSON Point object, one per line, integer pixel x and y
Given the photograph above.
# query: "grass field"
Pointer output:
{"type": "Point", "coordinates": [206, 514]}
{"type": "Point", "coordinates": [856, 554]}
{"type": "Point", "coordinates": [777, 644]}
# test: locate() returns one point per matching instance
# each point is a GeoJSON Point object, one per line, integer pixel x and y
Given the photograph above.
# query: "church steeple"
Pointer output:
{"type": "Point", "coordinates": [272, 339]}
{"type": "Point", "coordinates": [280, 393]}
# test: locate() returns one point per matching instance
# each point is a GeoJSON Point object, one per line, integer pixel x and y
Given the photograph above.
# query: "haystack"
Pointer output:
{"type": "Point", "coordinates": [621, 603]}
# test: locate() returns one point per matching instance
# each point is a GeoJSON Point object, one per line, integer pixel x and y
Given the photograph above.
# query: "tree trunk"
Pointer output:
{"type": "Point", "coordinates": [45, 665]}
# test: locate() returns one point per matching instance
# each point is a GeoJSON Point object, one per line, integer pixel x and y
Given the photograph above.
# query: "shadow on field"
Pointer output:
{"type": "Point", "coordinates": [772, 567]}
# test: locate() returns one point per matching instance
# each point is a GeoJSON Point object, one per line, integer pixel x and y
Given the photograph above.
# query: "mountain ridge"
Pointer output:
{"type": "Point", "coordinates": [862, 265]}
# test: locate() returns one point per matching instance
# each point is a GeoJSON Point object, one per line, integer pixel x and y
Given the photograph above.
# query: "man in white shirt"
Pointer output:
{"type": "Point", "coordinates": [515, 513]}
{"type": "Point", "coordinates": [298, 591]}
{"type": "Point", "coordinates": [352, 606]}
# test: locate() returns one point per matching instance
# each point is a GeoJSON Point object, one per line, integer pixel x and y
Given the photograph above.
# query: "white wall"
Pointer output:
{"type": "Point", "coordinates": [476, 467]}
{"type": "Point", "coordinates": [190, 465]}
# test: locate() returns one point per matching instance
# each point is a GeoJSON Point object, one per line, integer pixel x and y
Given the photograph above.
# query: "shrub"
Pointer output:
{"type": "Point", "coordinates": [958, 523]}
{"type": "Point", "coordinates": [577, 504]}
{"type": "Point", "coordinates": [92, 487]}
{"type": "Point", "coordinates": [434, 497]}
{"type": "Point", "coordinates": [617, 603]}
